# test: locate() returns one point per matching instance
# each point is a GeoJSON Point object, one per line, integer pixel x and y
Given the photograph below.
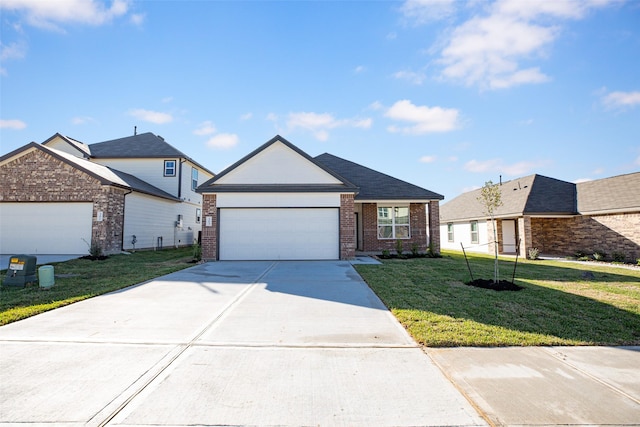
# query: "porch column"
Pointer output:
{"type": "Point", "coordinates": [209, 227]}
{"type": "Point", "coordinates": [434, 225]}
{"type": "Point", "coordinates": [347, 227]}
{"type": "Point", "coordinates": [524, 234]}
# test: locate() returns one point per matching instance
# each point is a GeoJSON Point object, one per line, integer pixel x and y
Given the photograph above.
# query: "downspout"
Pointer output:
{"type": "Point", "coordinates": [124, 205]}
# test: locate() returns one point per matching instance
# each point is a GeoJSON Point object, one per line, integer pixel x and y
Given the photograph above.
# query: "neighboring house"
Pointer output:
{"type": "Point", "coordinates": [280, 203]}
{"type": "Point", "coordinates": [554, 216]}
{"type": "Point", "coordinates": [59, 196]}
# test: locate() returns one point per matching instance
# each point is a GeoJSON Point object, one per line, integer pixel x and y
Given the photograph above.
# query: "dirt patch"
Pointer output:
{"type": "Point", "coordinates": [502, 285]}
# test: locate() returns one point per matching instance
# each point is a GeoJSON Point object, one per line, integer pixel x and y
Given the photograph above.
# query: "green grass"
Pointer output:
{"type": "Point", "coordinates": [82, 279]}
{"type": "Point", "coordinates": [557, 306]}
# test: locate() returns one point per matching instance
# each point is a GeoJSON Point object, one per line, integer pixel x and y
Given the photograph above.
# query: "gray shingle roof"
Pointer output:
{"type": "Point", "coordinates": [618, 193]}
{"type": "Point", "coordinates": [529, 195]}
{"type": "Point", "coordinates": [143, 145]}
{"type": "Point", "coordinates": [375, 185]}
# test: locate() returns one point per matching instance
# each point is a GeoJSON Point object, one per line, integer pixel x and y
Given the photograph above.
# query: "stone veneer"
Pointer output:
{"type": "Point", "coordinates": [40, 177]}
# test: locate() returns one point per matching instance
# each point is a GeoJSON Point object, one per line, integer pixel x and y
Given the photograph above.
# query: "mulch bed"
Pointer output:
{"type": "Point", "coordinates": [95, 258]}
{"type": "Point", "coordinates": [502, 285]}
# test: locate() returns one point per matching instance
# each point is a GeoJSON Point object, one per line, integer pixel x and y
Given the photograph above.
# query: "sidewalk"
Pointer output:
{"type": "Point", "coordinates": [550, 386]}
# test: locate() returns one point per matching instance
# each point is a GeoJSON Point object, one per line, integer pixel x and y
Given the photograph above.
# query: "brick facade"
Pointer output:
{"type": "Point", "coordinates": [434, 226]}
{"type": "Point", "coordinates": [347, 227]}
{"type": "Point", "coordinates": [418, 225]}
{"type": "Point", "coordinates": [209, 232]}
{"type": "Point", "coordinates": [608, 233]}
{"type": "Point", "coordinates": [40, 177]}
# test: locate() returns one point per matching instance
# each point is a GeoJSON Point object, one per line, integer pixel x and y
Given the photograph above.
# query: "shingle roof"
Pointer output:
{"type": "Point", "coordinates": [143, 145]}
{"type": "Point", "coordinates": [529, 195]}
{"type": "Point", "coordinates": [618, 193]}
{"type": "Point", "coordinates": [375, 185]}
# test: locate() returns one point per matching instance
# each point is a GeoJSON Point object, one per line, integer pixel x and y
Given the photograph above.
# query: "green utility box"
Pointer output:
{"type": "Point", "coordinates": [21, 271]}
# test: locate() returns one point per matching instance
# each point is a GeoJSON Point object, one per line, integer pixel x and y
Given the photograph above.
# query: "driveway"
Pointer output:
{"type": "Point", "coordinates": [226, 343]}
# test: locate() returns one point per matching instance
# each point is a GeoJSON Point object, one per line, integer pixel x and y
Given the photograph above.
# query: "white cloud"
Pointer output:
{"type": "Point", "coordinates": [13, 124]}
{"type": "Point", "coordinates": [205, 128]}
{"type": "Point", "coordinates": [410, 76]}
{"type": "Point", "coordinates": [81, 120]}
{"type": "Point", "coordinates": [489, 49]}
{"type": "Point", "coordinates": [376, 105]}
{"type": "Point", "coordinates": [138, 18]}
{"type": "Point", "coordinates": [427, 159]}
{"type": "Point", "coordinates": [49, 14]}
{"type": "Point", "coordinates": [15, 50]}
{"type": "Point", "coordinates": [151, 116]}
{"type": "Point", "coordinates": [621, 99]}
{"type": "Point", "coordinates": [359, 69]}
{"type": "Point", "coordinates": [246, 117]}
{"type": "Point", "coordinates": [423, 11]}
{"type": "Point", "coordinates": [272, 117]}
{"type": "Point", "coordinates": [498, 165]}
{"type": "Point", "coordinates": [424, 119]}
{"type": "Point", "coordinates": [321, 123]}
{"type": "Point", "coordinates": [223, 141]}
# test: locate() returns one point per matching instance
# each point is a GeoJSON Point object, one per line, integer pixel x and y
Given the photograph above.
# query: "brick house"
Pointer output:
{"type": "Point", "coordinates": [554, 216]}
{"type": "Point", "coordinates": [130, 193]}
{"type": "Point", "coordinates": [279, 203]}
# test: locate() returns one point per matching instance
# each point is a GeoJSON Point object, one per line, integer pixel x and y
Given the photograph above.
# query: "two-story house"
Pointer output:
{"type": "Point", "coordinates": [136, 192]}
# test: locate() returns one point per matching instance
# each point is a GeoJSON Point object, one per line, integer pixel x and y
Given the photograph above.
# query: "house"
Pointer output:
{"type": "Point", "coordinates": [136, 192]}
{"type": "Point", "coordinates": [554, 216]}
{"type": "Point", "coordinates": [279, 203]}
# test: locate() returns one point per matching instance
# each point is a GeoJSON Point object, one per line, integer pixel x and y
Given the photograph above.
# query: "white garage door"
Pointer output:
{"type": "Point", "coordinates": [271, 234]}
{"type": "Point", "coordinates": [45, 228]}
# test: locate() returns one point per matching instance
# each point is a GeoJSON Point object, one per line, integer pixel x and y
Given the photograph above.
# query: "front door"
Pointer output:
{"type": "Point", "coordinates": [508, 236]}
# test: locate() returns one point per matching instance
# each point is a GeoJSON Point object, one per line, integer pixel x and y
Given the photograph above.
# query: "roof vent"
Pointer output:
{"type": "Point", "coordinates": [160, 137]}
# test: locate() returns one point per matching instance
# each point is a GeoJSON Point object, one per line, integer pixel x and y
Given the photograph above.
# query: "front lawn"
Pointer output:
{"type": "Point", "coordinates": [561, 303]}
{"type": "Point", "coordinates": [81, 279]}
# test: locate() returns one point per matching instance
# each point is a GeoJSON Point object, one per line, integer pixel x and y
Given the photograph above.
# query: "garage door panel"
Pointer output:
{"type": "Point", "coordinates": [264, 234]}
{"type": "Point", "coordinates": [45, 228]}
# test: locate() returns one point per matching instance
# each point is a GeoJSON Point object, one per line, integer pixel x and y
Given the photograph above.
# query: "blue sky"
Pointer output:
{"type": "Point", "coordinates": [444, 94]}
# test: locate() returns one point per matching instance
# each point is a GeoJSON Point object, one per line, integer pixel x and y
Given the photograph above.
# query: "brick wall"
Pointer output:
{"type": "Point", "coordinates": [209, 233]}
{"type": "Point", "coordinates": [418, 224]}
{"type": "Point", "coordinates": [607, 233]}
{"type": "Point", "coordinates": [347, 227]}
{"type": "Point", "coordinates": [40, 177]}
{"type": "Point", "coordinates": [434, 225]}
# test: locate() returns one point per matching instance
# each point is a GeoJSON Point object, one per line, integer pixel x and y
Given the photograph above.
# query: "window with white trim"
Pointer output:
{"type": "Point", "coordinates": [393, 222]}
{"type": "Point", "coordinates": [474, 231]}
{"type": "Point", "coordinates": [169, 168]}
{"type": "Point", "coordinates": [450, 232]}
{"type": "Point", "coordinates": [194, 179]}
{"type": "Point", "coordinates": [198, 215]}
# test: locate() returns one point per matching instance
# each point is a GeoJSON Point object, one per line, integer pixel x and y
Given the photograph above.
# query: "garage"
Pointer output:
{"type": "Point", "coordinates": [45, 228]}
{"type": "Point", "coordinates": [279, 233]}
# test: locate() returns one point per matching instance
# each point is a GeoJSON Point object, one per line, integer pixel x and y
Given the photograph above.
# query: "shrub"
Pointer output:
{"type": "Point", "coordinates": [399, 247]}
{"type": "Point", "coordinates": [197, 251]}
{"type": "Point", "coordinates": [534, 253]}
{"type": "Point", "coordinates": [579, 254]}
{"type": "Point", "coordinates": [386, 254]}
{"type": "Point", "coordinates": [415, 249]}
{"type": "Point", "coordinates": [599, 256]}
{"type": "Point", "coordinates": [618, 257]}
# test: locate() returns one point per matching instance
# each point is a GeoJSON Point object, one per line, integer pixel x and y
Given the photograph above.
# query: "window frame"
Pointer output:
{"type": "Point", "coordinates": [475, 235]}
{"type": "Point", "coordinates": [391, 214]}
{"type": "Point", "coordinates": [194, 181]}
{"type": "Point", "coordinates": [167, 167]}
{"type": "Point", "coordinates": [198, 215]}
{"type": "Point", "coordinates": [450, 235]}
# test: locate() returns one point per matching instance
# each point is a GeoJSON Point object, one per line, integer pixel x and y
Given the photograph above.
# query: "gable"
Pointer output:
{"type": "Point", "coordinates": [277, 163]}
{"type": "Point", "coordinates": [67, 145]}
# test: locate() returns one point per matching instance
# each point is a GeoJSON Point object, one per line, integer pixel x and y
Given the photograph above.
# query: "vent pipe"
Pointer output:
{"type": "Point", "coordinates": [135, 130]}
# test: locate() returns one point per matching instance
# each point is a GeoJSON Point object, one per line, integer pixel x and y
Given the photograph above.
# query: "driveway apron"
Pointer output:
{"type": "Point", "coordinates": [226, 343]}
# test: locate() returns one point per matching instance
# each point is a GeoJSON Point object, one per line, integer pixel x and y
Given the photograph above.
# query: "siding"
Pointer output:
{"type": "Point", "coordinates": [462, 234]}
{"type": "Point", "coordinates": [149, 170]}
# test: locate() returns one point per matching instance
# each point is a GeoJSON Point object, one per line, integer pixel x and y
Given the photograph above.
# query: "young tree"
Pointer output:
{"type": "Point", "coordinates": [490, 197]}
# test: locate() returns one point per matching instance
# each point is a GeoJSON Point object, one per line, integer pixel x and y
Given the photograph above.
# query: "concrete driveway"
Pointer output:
{"type": "Point", "coordinates": [226, 343]}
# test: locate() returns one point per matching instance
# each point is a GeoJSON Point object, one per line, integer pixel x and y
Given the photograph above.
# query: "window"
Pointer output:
{"type": "Point", "coordinates": [474, 231]}
{"type": "Point", "coordinates": [450, 232]}
{"type": "Point", "coordinates": [194, 178]}
{"type": "Point", "coordinates": [393, 222]}
{"type": "Point", "coordinates": [198, 215]}
{"type": "Point", "coordinates": [169, 168]}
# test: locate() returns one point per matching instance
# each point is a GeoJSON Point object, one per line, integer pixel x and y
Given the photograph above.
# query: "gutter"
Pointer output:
{"type": "Point", "coordinates": [124, 206]}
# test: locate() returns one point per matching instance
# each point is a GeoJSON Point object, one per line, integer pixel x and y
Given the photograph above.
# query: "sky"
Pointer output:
{"type": "Point", "coordinates": [444, 94]}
